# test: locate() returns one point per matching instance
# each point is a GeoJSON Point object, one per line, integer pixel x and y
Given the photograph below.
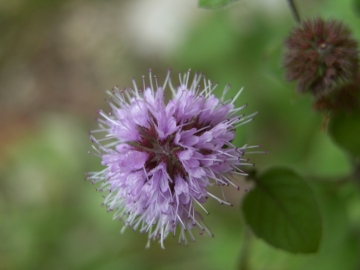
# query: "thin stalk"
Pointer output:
{"type": "Point", "coordinates": [244, 253]}
{"type": "Point", "coordinates": [294, 11]}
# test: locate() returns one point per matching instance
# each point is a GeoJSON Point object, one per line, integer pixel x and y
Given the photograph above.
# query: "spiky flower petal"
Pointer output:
{"type": "Point", "coordinates": [161, 157]}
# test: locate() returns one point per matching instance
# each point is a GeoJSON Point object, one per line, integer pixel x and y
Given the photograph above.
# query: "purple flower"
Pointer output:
{"type": "Point", "coordinates": [161, 157]}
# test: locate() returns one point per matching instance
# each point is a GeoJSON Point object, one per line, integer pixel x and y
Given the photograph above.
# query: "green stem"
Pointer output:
{"type": "Point", "coordinates": [294, 11]}
{"type": "Point", "coordinates": [245, 248]}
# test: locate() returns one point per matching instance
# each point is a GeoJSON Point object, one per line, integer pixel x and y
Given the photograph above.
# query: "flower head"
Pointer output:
{"type": "Point", "coordinates": [161, 157]}
{"type": "Point", "coordinates": [345, 98]}
{"type": "Point", "coordinates": [319, 55]}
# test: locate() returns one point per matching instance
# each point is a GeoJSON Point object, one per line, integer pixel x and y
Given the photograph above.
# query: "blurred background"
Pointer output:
{"type": "Point", "coordinates": [57, 58]}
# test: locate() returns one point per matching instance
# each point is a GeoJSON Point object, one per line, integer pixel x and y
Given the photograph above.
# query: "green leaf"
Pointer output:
{"type": "Point", "coordinates": [282, 210]}
{"type": "Point", "coordinates": [214, 4]}
{"type": "Point", "coordinates": [344, 129]}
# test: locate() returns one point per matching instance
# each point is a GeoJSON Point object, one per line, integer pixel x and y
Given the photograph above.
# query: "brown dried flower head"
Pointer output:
{"type": "Point", "coordinates": [320, 55]}
{"type": "Point", "coordinates": [345, 98]}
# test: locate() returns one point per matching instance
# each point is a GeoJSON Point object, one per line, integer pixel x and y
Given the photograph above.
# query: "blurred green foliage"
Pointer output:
{"type": "Point", "coordinates": [214, 4]}
{"type": "Point", "coordinates": [344, 129]}
{"type": "Point", "coordinates": [52, 81]}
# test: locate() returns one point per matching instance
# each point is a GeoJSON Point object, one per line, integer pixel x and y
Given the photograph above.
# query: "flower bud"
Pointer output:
{"type": "Point", "coordinates": [320, 55]}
